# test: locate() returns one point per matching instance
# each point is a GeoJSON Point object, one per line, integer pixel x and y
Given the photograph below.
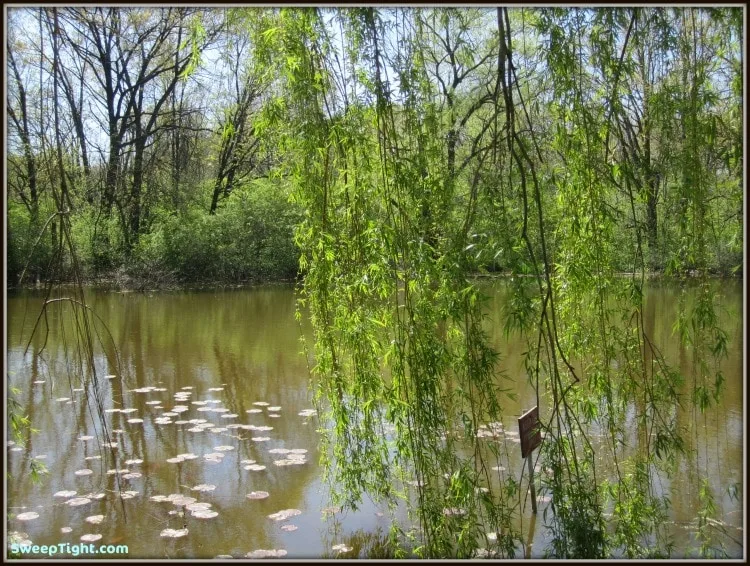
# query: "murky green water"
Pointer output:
{"type": "Point", "coordinates": [226, 351]}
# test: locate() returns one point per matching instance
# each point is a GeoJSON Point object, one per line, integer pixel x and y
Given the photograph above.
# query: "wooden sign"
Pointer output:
{"type": "Point", "coordinates": [528, 429]}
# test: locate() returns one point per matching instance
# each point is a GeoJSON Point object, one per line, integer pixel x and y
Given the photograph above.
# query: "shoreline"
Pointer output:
{"type": "Point", "coordinates": [127, 284]}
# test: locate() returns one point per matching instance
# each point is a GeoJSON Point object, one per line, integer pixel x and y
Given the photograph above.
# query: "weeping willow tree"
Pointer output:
{"type": "Point", "coordinates": [401, 130]}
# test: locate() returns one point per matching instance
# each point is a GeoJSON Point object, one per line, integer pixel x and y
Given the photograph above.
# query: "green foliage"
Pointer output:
{"type": "Point", "coordinates": [98, 242]}
{"type": "Point", "coordinates": [29, 247]}
{"type": "Point", "coordinates": [707, 524]}
{"type": "Point", "coordinates": [249, 238]}
{"type": "Point", "coordinates": [21, 429]}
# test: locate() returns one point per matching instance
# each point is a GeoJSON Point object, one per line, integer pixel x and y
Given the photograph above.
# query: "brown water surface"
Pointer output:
{"type": "Point", "coordinates": [247, 343]}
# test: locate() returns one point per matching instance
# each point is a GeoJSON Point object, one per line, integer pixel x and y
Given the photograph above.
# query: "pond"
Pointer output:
{"type": "Point", "coordinates": [212, 432]}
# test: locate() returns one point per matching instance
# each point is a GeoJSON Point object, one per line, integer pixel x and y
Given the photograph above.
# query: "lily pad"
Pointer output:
{"type": "Point", "coordinates": [28, 516]}
{"type": "Point", "coordinates": [95, 519]}
{"type": "Point", "coordinates": [284, 514]}
{"type": "Point", "coordinates": [204, 514]}
{"type": "Point", "coordinates": [181, 500]}
{"type": "Point", "coordinates": [173, 533]}
{"type": "Point", "coordinates": [262, 553]}
{"type": "Point", "coordinates": [91, 538]}
{"type": "Point", "coordinates": [65, 493]}
{"type": "Point", "coordinates": [255, 467]}
{"type": "Point", "coordinates": [289, 527]}
{"type": "Point", "coordinates": [340, 548]}
{"type": "Point", "coordinates": [85, 438]}
{"type": "Point", "coordinates": [135, 421]}
{"type": "Point", "coordinates": [131, 476]}
{"type": "Point", "coordinates": [261, 404]}
{"type": "Point", "coordinates": [204, 487]}
{"type": "Point", "coordinates": [253, 411]}
{"type": "Point", "coordinates": [289, 462]}
{"type": "Point", "coordinates": [308, 413]}
{"type": "Point", "coordinates": [65, 530]}
{"type": "Point", "coordinates": [454, 512]}
{"type": "Point", "coordinates": [257, 495]}
{"type": "Point", "coordinates": [133, 462]}
{"type": "Point", "coordinates": [76, 501]}
{"type": "Point", "coordinates": [84, 472]}
{"type": "Point", "coordinates": [260, 438]}
{"type": "Point", "coordinates": [198, 506]}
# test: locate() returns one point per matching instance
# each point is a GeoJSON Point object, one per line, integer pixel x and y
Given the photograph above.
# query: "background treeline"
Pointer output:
{"type": "Point", "coordinates": [144, 129]}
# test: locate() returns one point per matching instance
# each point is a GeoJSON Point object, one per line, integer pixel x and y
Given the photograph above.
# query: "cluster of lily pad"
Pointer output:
{"type": "Point", "coordinates": [183, 503]}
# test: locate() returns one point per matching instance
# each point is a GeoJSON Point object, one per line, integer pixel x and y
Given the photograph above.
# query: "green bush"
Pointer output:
{"type": "Point", "coordinates": [98, 242]}
{"type": "Point", "coordinates": [249, 238]}
{"type": "Point", "coordinates": [23, 233]}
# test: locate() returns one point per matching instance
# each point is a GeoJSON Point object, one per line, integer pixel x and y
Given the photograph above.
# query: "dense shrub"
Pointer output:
{"type": "Point", "coordinates": [98, 242]}
{"type": "Point", "coordinates": [22, 235]}
{"type": "Point", "coordinates": [250, 237]}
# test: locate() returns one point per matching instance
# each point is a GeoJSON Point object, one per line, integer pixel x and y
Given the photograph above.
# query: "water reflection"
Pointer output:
{"type": "Point", "coordinates": [230, 350]}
